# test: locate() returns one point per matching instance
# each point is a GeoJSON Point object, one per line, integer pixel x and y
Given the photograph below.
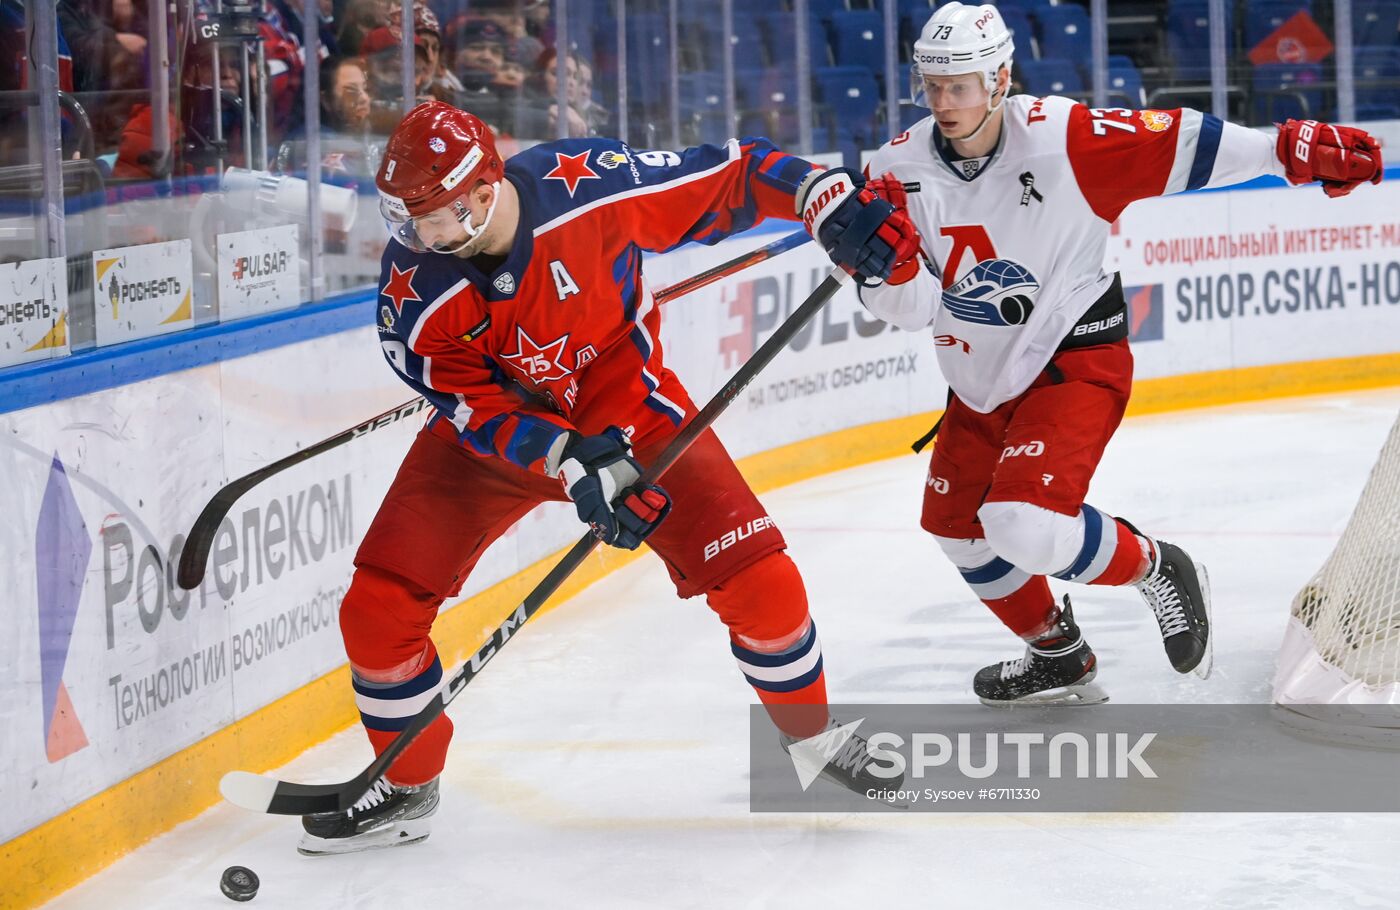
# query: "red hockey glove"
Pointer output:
{"type": "Point", "coordinates": [859, 231]}
{"type": "Point", "coordinates": [1342, 157]}
{"type": "Point", "coordinates": [600, 476]}
{"type": "Point", "coordinates": [891, 189]}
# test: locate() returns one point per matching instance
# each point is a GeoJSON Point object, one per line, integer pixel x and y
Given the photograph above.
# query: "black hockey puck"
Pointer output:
{"type": "Point", "coordinates": [239, 883]}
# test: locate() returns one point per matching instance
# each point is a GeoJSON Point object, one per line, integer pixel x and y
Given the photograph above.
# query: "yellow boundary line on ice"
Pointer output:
{"type": "Point", "coordinates": [58, 854]}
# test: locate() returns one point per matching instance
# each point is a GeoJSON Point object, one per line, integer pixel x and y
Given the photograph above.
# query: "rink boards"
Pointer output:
{"type": "Point", "coordinates": [127, 698]}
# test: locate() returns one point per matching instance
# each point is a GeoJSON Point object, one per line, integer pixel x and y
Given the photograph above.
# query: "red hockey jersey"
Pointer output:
{"type": "Point", "coordinates": [564, 333]}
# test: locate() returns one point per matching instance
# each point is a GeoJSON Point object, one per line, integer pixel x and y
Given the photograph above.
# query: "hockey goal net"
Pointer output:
{"type": "Point", "coordinates": [1339, 668]}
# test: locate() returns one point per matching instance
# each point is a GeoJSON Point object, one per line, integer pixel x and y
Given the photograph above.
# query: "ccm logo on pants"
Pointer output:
{"type": "Point", "coordinates": [743, 532]}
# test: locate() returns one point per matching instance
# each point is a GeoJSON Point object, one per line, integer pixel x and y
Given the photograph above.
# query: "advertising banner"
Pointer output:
{"type": "Point", "coordinates": [140, 291]}
{"type": "Point", "coordinates": [33, 311]}
{"type": "Point", "coordinates": [259, 271]}
{"type": "Point", "coordinates": [846, 368]}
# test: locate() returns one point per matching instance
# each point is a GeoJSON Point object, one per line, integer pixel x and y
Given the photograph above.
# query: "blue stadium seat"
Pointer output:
{"type": "Point", "coordinates": [1125, 84]}
{"type": "Point", "coordinates": [1188, 39]}
{"type": "Point", "coordinates": [1021, 32]}
{"type": "Point", "coordinates": [910, 114]}
{"type": "Point", "coordinates": [767, 101]}
{"type": "Point", "coordinates": [858, 39]}
{"type": "Point", "coordinates": [852, 100]}
{"type": "Point", "coordinates": [1375, 23]}
{"type": "Point", "coordinates": [1051, 77]}
{"type": "Point", "coordinates": [1262, 17]}
{"type": "Point", "coordinates": [780, 34]}
{"type": "Point", "coordinates": [822, 9]}
{"type": "Point", "coordinates": [1284, 90]}
{"type": "Point", "coordinates": [1064, 32]}
{"type": "Point", "coordinates": [1377, 77]}
{"type": "Point", "coordinates": [702, 104]}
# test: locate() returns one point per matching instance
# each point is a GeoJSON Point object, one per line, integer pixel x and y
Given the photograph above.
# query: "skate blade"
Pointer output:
{"type": "Point", "coordinates": [398, 835]}
{"type": "Point", "coordinates": [1087, 693]}
{"type": "Point", "coordinates": [1202, 669]}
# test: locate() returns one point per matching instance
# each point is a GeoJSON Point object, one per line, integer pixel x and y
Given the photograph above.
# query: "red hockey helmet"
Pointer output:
{"type": "Point", "coordinates": [435, 157]}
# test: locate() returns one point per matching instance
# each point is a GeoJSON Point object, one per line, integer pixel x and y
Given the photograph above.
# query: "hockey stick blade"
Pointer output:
{"type": "Point", "coordinates": [194, 556]}
{"type": "Point", "coordinates": [278, 797]}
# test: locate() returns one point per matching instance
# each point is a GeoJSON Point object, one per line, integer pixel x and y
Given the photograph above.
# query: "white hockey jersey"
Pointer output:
{"type": "Point", "coordinates": [1015, 252]}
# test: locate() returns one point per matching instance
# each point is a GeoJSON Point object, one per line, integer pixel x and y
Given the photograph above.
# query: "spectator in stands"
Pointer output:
{"type": "Point", "coordinates": [516, 66]}
{"type": "Point", "coordinates": [358, 19]}
{"type": "Point", "coordinates": [508, 14]}
{"type": "Point", "coordinates": [594, 114]}
{"type": "Point", "coordinates": [544, 84]}
{"type": "Point", "coordinates": [383, 56]}
{"type": "Point", "coordinates": [345, 96]}
{"type": "Point", "coordinates": [349, 151]}
{"type": "Point", "coordinates": [443, 84]}
{"type": "Point", "coordinates": [481, 50]}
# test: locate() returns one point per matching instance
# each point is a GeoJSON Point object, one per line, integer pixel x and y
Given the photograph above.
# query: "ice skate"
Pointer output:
{"type": "Point", "coordinates": [1177, 589]}
{"type": "Point", "coordinates": [849, 766]}
{"type": "Point", "coordinates": [387, 816]}
{"type": "Point", "coordinates": [1056, 670]}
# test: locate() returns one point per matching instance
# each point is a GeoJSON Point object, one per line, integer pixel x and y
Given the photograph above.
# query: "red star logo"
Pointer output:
{"type": "Point", "coordinates": [571, 169]}
{"type": "Point", "coordinates": [541, 363]}
{"type": "Point", "coordinates": [400, 287]}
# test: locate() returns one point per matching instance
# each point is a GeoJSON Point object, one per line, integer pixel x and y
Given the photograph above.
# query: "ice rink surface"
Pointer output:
{"type": "Point", "coordinates": [602, 760]}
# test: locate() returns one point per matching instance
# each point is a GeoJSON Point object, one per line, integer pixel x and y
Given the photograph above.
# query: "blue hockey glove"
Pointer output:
{"type": "Point", "coordinates": [859, 231]}
{"type": "Point", "coordinates": [601, 477]}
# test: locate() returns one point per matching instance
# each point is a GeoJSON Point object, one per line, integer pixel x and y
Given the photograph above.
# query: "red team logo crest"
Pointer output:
{"type": "Point", "coordinates": [539, 362]}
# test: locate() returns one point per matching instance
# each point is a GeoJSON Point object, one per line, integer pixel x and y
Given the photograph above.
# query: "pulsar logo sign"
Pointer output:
{"type": "Point", "coordinates": [258, 271]}
{"type": "Point", "coordinates": [147, 290]}
{"type": "Point", "coordinates": [737, 535]}
{"type": "Point", "coordinates": [252, 267]}
{"type": "Point", "coordinates": [761, 303]}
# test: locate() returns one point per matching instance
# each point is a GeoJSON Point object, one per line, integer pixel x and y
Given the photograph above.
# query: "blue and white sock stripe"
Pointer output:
{"type": "Point", "coordinates": [782, 671]}
{"type": "Point", "coordinates": [390, 706]}
{"type": "Point", "coordinates": [995, 580]}
{"type": "Point", "coordinates": [1100, 543]}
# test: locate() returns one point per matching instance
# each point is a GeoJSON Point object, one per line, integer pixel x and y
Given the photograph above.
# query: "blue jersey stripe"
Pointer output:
{"type": "Point", "coordinates": [1207, 144]}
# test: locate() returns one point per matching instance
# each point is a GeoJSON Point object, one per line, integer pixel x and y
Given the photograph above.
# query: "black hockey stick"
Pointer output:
{"type": "Point", "coordinates": [266, 794]}
{"type": "Point", "coordinates": [194, 556]}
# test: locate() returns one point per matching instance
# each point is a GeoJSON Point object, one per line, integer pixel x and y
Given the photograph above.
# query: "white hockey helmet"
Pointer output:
{"type": "Point", "coordinates": [960, 38]}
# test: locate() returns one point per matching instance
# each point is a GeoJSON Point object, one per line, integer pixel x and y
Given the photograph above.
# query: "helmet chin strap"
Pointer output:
{"type": "Point", "coordinates": [986, 118]}
{"type": "Point", "coordinates": [475, 233]}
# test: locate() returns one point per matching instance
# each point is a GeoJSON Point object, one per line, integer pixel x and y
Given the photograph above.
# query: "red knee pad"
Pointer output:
{"type": "Point", "coordinates": [385, 621]}
{"type": "Point", "coordinates": [764, 602]}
